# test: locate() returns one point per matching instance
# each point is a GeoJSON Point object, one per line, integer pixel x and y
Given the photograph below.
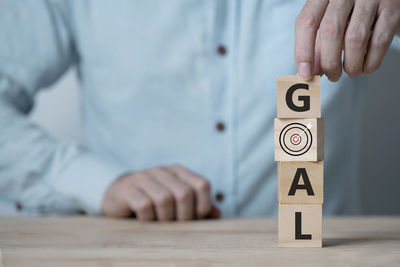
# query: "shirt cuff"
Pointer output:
{"type": "Point", "coordinates": [86, 179]}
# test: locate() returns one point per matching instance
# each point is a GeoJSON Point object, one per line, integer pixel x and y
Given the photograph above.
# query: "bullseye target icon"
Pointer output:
{"type": "Point", "coordinates": [295, 139]}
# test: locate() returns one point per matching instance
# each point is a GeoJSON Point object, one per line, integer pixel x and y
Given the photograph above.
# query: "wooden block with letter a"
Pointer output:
{"type": "Point", "coordinates": [299, 139]}
{"type": "Point", "coordinates": [300, 225]}
{"type": "Point", "coordinates": [301, 182]}
{"type": "Point", "coordinates": [297, 98]}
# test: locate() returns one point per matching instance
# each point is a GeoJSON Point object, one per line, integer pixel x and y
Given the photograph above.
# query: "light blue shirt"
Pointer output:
{"type": "Point", "coordinates": [154, 88]}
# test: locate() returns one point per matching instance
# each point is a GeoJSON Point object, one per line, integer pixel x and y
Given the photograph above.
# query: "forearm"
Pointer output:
{"type": "Point", "coordinates": [40, 172]}
{"type": "Point", "coordinates": [37, 170]}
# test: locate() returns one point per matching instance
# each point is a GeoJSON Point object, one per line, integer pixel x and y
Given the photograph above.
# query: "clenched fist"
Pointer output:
{"type": "Point", "coordinates": [164, 194]}
{"type": "Point", "coordinates": [364, 29]}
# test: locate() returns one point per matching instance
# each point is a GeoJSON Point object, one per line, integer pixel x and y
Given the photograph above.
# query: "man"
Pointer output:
{"type": "Point", "coordinates": [179, 100]}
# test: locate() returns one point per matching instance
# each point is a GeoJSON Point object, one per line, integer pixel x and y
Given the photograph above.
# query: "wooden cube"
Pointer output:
{"type": "Point", "coordinates": [297, 98]}
{"type": "Point", "coordinates": [301, 182]}
{"type": "Point", "coordinates": [300, 225]}
{"type": "Point", "coordinates": [299, 139]}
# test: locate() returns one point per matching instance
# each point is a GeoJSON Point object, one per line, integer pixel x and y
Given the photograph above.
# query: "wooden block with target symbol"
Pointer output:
{"type": "Point", "coordinates": [299, 139]}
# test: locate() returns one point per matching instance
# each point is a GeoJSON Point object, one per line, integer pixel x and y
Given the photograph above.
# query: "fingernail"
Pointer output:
{"type": "Point", "coordinates": [305, 70]}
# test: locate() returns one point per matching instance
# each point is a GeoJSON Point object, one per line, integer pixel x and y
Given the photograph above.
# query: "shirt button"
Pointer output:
{"type": "Point", "coordinates": [221, 50]}
{"type": "Point", "coordinates": [220, 126]}
{"type": "Point", "coordinates": [81, 212]}
{"type": "Point", "coordinates": [18, 206]}
{"type": "Point", "coordinates": [219, 197]}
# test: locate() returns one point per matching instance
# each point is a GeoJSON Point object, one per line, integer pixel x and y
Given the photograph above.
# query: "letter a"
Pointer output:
{"type": "Point", "coordinates": [295, 184]}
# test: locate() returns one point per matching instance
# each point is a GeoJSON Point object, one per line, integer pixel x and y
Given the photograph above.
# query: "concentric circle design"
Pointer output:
{"type": "Point", "coordinates": [295, 139]}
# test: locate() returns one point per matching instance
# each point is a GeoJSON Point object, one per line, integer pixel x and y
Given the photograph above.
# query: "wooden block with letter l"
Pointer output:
{"type": "Point", "coordinates": [301, 182]}
{"type": "Point", "coordinates": [297, 98]}
{"type": "Point", "coordinates": [299, 139]}
{"type": "Point", "coordinates": [300, 225]}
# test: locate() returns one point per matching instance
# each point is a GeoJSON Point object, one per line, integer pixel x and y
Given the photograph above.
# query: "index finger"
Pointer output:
{"type": "Point", "coordinates": [201, 188]}
{"type": "Point", "coordinates": [307, 24]}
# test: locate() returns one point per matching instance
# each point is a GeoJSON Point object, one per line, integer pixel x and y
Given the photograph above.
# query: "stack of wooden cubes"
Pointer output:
{"type": "Point", "coordinates": [299, 151]}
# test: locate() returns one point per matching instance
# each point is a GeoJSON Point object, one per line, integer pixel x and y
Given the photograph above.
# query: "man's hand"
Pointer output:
{"type": "Point", "coordinates": [160, 194]}
{"type": "Point", "coordinates": [364, 29]}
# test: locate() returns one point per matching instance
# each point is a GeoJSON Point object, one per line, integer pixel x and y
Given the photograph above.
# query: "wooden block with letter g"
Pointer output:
{"type": "Point", "coordinates": [301, 182]}
{"type": "Point", "coordinates": [297, 98]}
{"type": "Point", "coordinates": [299, 139]}
{"type": "Point", "coordinates": [300, 225]}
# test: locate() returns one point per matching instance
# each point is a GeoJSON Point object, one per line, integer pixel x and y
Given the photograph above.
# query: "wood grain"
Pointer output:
{"type": "Point", "coordinates": [1, 258]}
{"type": "Point", "coordinates": [90, 241]}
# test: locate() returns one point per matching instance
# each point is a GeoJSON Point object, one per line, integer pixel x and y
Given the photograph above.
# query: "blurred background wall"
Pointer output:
{"type": "Point", "coordinates": [380, 154]}
{"type": "Point", "coordinates": [380, 160]}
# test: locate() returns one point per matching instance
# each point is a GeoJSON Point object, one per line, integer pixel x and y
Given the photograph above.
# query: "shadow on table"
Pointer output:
{"type": "Point", "coordinates": [357, 241]}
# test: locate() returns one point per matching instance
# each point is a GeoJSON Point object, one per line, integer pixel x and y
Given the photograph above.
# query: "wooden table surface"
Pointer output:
{"type": "Point", "coordinates": [90, 241]}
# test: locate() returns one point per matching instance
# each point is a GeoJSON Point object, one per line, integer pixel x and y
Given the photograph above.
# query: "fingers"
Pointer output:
{"type": "Point", "coordinates": [363, 29]}
{"type": "Point", "coordinates": [160, 196]}
{"type": "Point", "coordinates": [385, 28]}
{"type": "Point", "coordinates": [317, 56]}
{"type": "Point", "coordinates": [182, 193]}
{"type": "Point", "coordinates": [140, 204]}
{"type": "Point", "coordinates": [160, 193]}
{"type": "Point", "coordinates": [332, 30]}
{"type": "Point", "coordinates": [357, 36]}
{"type": "Point", "coordinates": [201, 189]}
{"type": "Point", "coordinates": [122, 198]}
{"type": "Point", "coordinates": [307, 24]}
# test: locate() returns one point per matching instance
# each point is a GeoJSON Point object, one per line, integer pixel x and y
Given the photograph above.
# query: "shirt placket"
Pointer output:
{"type": "Point", "coordinates": [225, 106]}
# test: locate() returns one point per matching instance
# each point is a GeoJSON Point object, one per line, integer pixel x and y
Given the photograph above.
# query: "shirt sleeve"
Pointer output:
{"type": "Point", "coordinates": [37, 171]}
{"type": "Point", "coordinates": [396, 42]}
